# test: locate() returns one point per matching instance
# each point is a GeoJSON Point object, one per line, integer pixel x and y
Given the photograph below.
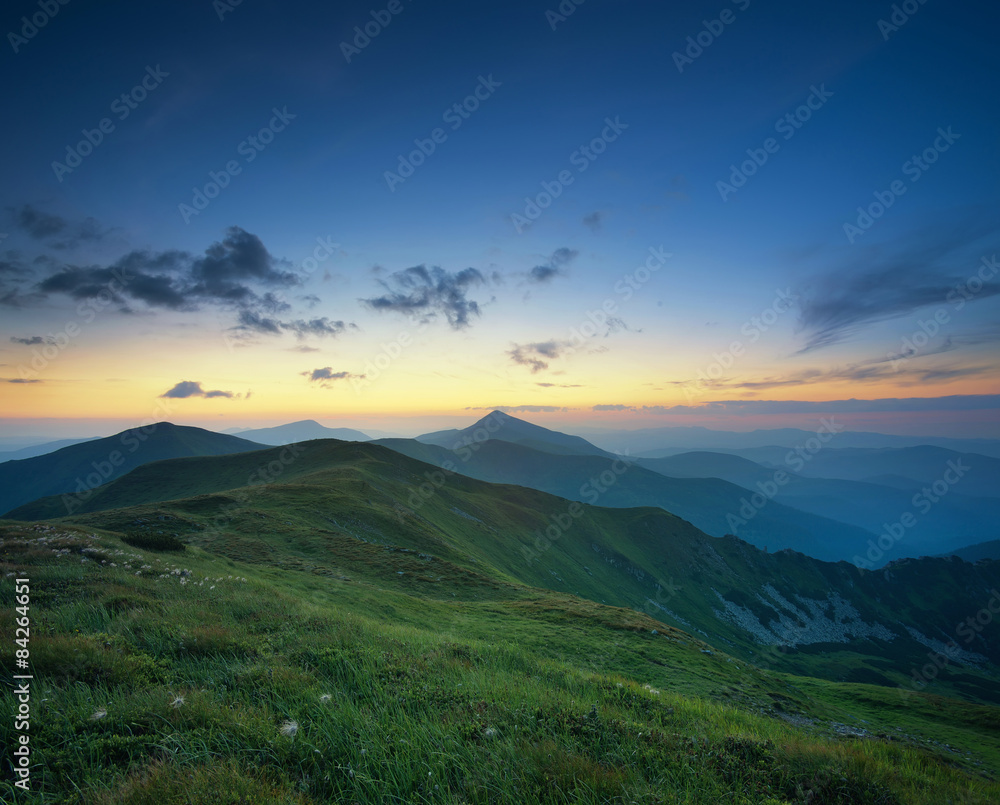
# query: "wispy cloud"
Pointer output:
{"type": "Point", "coordinates": [593, 221]}
{"type": "Point", "coordinates": [889, 285]}
{"type": "Point", "coordinates": [554, 267]}
{"type": "Point", "coordinates": [964, 402]}
{"type": "Point", "coordinates": [537, 355]}
{"type": "Point", "coordinates": [55, 231]}
{"type": "Point", "coordinates": [874, 371]}
{"type": "Point", "coordinates": [252, 321]}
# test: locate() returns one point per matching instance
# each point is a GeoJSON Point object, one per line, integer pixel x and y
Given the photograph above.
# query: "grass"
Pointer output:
{"type": "Point", "coordinates": [353, 513]}
{"type": "Point", "coordinates": [176, 676]}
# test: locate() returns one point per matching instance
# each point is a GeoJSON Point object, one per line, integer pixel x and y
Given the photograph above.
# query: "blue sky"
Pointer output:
{"type": "Point", "coordinates": [879, 96]}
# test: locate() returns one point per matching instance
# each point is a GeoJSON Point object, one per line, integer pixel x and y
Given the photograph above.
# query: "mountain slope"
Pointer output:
{"type": "Point", "coordinates": [713, 505]}
{"type": "Point", "coordinates": [300, 432]}
{"type": "Point", "coordinates": [40, 449]}
{"type": "Point", "coordinates": [363, 512]}
{"type": "Point", "coordinates": [982, 550]}
{"type": "Point", "coordinates": [952, 521]}
{"type": "Point", "coordinates": [503, 427]}
{"type": "Point", "coordinates": [658, 442]}
{"type": "Point", "coordinates": [190, 676]}
{"type": "Point", "coordinates": [921, 465]}
{"type": "Point", "coordinates": [76, 469]}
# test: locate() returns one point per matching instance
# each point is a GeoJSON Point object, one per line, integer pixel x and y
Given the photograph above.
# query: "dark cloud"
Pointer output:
{"type": "Point", "coordinates": [241, 258]}
{"type": "Point", "coordinates": [54, 230]}
{"type": "Point", "coordinates": [237, 273]}
{"type": "Point", "coordinates": [593, 221]}
{"type": "Point", "coordinates": [555, 266]}
{"type": "Point", "coordinates": [13, 267]}
{"type": "Point", "coordinates": [22, 380]}
{"type": "Point", "coordinates": [536, 356]}
{"type": "Point", "coordinates": [14, 276]}
{"type": "Point", "coordinates": [424, 293]}
{"type": "Point", "coordinates": [118, 285]}
{"type": "Point", "coordinates": [190, 388]}
{"type": "Point", "coordinates": [29, 341]}
{"type": "Point", "coordinates": [559, 385]}
{"type": "Point", "coordinates": [327, 373]}
{"type": "Point", "coordinates": [325, 376]}
{"type": "Point", "coordinates": [252, 321]}
{"type": "Point", "coordinates": [543, 273]}
{"type": "Point", "coordinates": [614, 407]}
{"type": "Point", "coordinates": [177, 281]}
{"type": "Point", "coordinates": [317, 327]}
{"type": "Point", "coordinates": [919, 273]}
{"type": "Point", "coordinates": [255, 322]}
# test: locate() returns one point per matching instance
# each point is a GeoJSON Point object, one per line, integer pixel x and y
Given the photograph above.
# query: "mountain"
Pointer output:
{"type": "Point", "coordinates": [983, 550]}
{"type": "Point", "coordinates": [319, 666]}
{"type": "Point", "coordinates": [852, 512]}
{"type": "Point", "coordinates": [337, 506]}
{"type": "Point", "coordinates": [300, 432]}
{"type": "Point", "coordinates": [658, 442]}
{"type": "Point", "coordinates": [503, 427]}
{"type": "Point", "coordinates": [969, 474]}
{"type": "Point", "coordinates": [950, 521]}
{"type": "Point", "coordinates": [73, 471]}
{"type": "Point", "coordinates": [40, 449]}
{"type": "Point", "coordinates": [359, 610]}
{"type": "Point", "coordinates": [707, 464]}
{"type": "Point", "coordinates": [713, 505]}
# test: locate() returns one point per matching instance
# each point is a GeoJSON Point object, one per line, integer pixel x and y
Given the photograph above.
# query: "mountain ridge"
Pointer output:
{"type": "Point", "coordinates": [76, 469]}
{"type": "Point", "coordinates": [334, 499]}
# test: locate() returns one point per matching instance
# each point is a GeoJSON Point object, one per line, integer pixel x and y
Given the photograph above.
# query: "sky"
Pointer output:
{"type": "Point", "coordinates": [404, 214]}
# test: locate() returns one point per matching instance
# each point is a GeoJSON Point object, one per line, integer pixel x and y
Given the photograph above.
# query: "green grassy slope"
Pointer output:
{"type": "Point", "coordinates": [194, 676]}
{"type": "Point", "coordinates": [344, 509]}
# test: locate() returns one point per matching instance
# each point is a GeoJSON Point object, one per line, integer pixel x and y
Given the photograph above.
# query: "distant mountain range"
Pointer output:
{"type": "Point", "coordinates": [831, 518]}
{"type": "Point", "coordinates": [503, 427]}
{"type": "Point", "coordinates": [41, 449]}
{"type": "Point", "coordinates": [657, 442]}
{"type": "Point", "coordinates": [922, 465]}
{"type": "Point", "coordinates": [75, 470]}
{"type": "Point", "coordinates": [954, 519]}
{"type": "Point", "coordinates": [716, 506]}
{"type": "Point", "coordinates": [975, 553]}
{"type": "Point", "coordinates": [301, 431]}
